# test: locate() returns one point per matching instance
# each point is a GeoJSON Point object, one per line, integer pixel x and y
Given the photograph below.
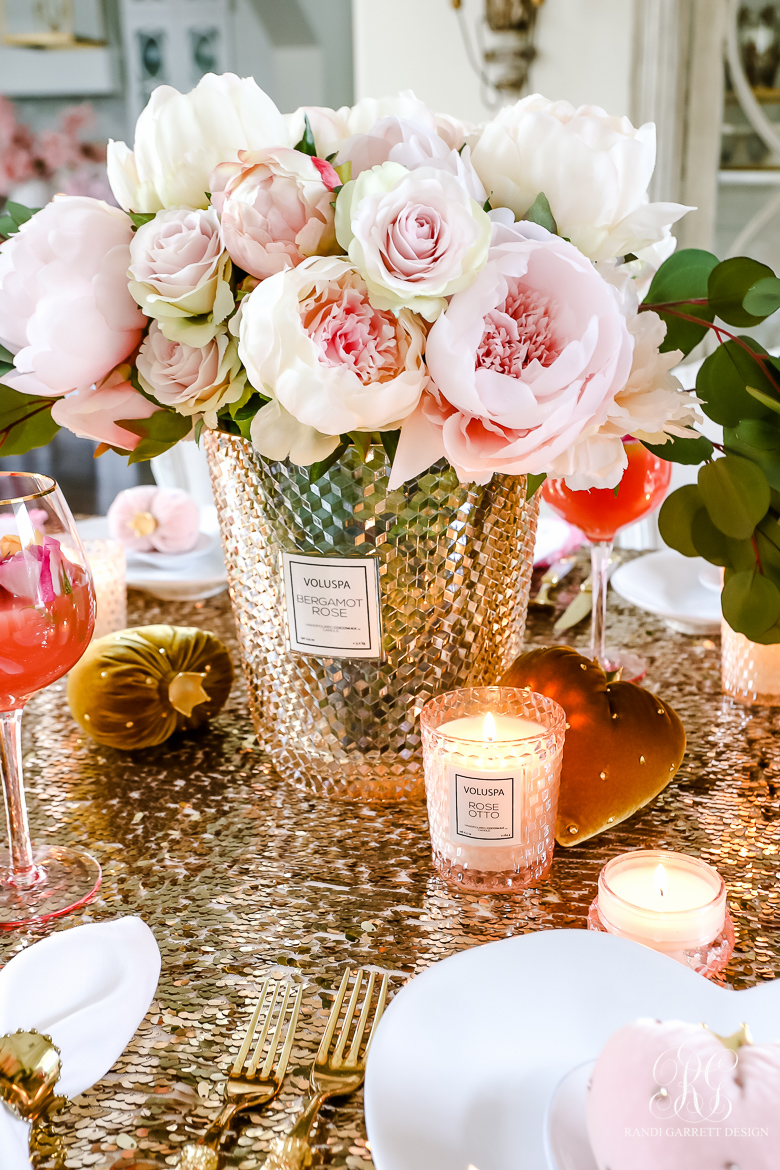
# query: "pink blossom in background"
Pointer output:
{"type": "Point", "coordinates": [25, 155]}
{"type": "Point", "coordinates": [94, 413]}
{"type": "Point", "coordinates": [65, 309]}
{"type": "Point", "coordinates": [276, 208]}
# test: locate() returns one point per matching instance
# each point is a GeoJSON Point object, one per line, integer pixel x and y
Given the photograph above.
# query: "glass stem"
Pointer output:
{"type": "Point", "coordinates": [600, 553]}
{"type": "Point", "coordinates": [23, 871]}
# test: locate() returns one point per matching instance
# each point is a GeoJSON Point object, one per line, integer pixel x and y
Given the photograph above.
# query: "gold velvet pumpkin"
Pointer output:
{"type": "Point", "coordinates": [623, 744]}
{"type": "Point", "coordinates": [135, 688]}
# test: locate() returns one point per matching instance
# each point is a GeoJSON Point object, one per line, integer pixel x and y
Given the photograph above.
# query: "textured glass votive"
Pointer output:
{"type": "Point", "coordinates": [669, 902]}
{"type": "Point", "coordinates": [750, 671]}
{"type": "Point", "coordinates": [492, 760]}
{"type": "Point", "coordinates": [107, 562]}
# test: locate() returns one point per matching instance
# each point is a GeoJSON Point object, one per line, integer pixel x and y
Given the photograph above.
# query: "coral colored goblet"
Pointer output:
{"type": "Point", "coordinates": [47, 615]}
{"type": "Point", "coordinates": [600, 513]}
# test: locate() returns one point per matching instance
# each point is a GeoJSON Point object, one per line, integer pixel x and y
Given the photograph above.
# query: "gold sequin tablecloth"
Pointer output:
{"type": "Point", "coordinates": [238, 876]}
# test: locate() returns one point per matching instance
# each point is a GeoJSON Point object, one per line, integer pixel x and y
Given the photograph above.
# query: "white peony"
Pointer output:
{"type": "Point", "coordinates": [416, 237]}
{"type": "Point", "coordinates": [332, 128]}
{"type": "Point", "coordinates": [593, 168]}
{"type": "Point", "coordinates": [181, 138]}
{"type": "Point", "coordinates": [332, 363]}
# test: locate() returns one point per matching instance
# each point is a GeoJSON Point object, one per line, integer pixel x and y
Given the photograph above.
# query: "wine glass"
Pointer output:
{"type": "Point", "coordinates": [600, 513]}
{"type": "Point", "coordinates": [47, 615]}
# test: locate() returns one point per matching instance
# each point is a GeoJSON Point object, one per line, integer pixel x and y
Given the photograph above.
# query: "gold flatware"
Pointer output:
{"type": "Point", "coordinates": [577, 609]}
{"type": "Point", "coordinates": [30, 1067]}
{"type": "Point", "coordinates": [333, 1073]}
{"type": "Point", "coordinates": [254, 1080]}
{"type": "Point", "coordinates": [555, 574]}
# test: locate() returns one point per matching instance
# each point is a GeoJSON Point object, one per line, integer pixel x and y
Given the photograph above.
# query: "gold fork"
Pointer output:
{"type": "Point", "coordinates": [333, 1074]}
{"type": "Point", "coordinates": [255, 1080]}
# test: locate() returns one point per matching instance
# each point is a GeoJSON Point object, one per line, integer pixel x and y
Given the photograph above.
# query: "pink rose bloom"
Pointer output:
{"type": "Point", "coordinates": [191, 379]}
{"type": "Point", "coordinates": [36, 573]}
{"type": "Point", "coordinates": [525, 361]}
{"type": "Point", "coordinates": [65, 309]}
{"type": "Point", "coordinates": [93, 413]}
{"type": "Point", "coordinates": [333, 362]}
{"type": "Point", "coordinates": [276, 208]}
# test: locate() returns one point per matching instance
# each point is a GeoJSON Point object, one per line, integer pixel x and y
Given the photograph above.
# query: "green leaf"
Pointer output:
{"type": "Point", "coordinates": [681, 279]}
{"type": "Point", "coordinates": [306, 144]}
{"type": "Point", "coordinates": [722, 379]}
{"type": "Point", "coordinates": [750, 604]}
{"type": "Point", "coordinates": [735, 493]}
{"type": "Point", "coordinates": [728, 285]}
{"type": "Point", "coordinates": [763, 298]}
{"type": "Point", "coordinates": [362, 440]}
{"type": "Point", "coordinates": [533, 483]}
{"type": "Point", "coordinates": [6, 360]}
{"type": "Point", "coordinates": [390, 444]}
{"type": "Point", "coordinates": [675, 520]}
{"type": "Point", "coordinates": [758, 433]}
{"type": "Point", "coordinates": [766, 398]}
{"type": "Point", "coordinates": [14, 216]}
{"type": "Point", "coordinates": [139, 218]}
{"type": "Point", "coordinates": [317, 470]}
{"type": "Point", "coordinates": [198, 430]}
{"type": "Point", "coordinates": [25, 422]}
{"type": "Point", "coordinates": [540, 212]}
{"type": "Point", "coordinates": [676, 450]}
{"type": "Point", "coordinates": [158, 433]}
{"type": "Point", "coordinates": [718, 549]}
{"type": "Point", "coordinates": [765, 457]}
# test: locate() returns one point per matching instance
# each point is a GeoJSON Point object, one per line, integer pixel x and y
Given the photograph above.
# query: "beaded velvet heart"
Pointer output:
{"type": "Point", "coordinates": [623, 744]}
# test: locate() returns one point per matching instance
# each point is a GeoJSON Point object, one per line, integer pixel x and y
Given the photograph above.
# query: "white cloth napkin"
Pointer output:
{"type": "Point", "coordinates": [88, 988]}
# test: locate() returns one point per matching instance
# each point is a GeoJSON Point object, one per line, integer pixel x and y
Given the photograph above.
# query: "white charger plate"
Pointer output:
{"type": "Point", "coordinates": [190, 576]}
{"type": "Point", "coordinates": [674, 587]}
{"type": "Point", "coordinates": [468, 1055]}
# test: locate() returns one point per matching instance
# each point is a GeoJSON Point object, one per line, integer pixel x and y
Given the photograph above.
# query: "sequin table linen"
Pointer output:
{"type": "Point", "coordinates": [240, 875]}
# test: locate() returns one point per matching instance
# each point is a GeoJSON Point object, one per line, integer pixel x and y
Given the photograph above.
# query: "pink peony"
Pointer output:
{"type": "Point", "coordinates": [93, 413]}
{"type": "Point", "coordinates": [524, 362]}
{"type": "Point", "coordinates": [65, 309]}
{"type": "Point", "coordinates": [276, 208]}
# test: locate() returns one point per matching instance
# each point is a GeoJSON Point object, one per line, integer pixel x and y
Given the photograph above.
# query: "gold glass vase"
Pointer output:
{"type": "Point", "coordinates": [454, 571]}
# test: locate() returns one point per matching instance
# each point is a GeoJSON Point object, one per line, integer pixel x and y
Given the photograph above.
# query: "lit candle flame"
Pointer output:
{"type": "Point", "coordinates": [660, 880]}
{"type": "Point", "coordinates": [489, 731]}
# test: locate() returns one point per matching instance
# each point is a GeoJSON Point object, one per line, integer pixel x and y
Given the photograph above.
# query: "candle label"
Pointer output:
{"type": "Point", "coordinates": [333, 605]}
{"type": "Point", "coordinates": [483, 807]}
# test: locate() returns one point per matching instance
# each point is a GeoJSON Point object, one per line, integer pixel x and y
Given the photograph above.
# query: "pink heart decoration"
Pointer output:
{"type": "Point", "coordinates": [674, 1096]}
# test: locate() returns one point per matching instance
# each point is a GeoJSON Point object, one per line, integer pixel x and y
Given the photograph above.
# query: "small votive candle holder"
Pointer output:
{"type": "Point", "coordinates": [492, 758]}
{"type": "Point", "coordinates": [750, 672]}
{"type": "Point", "coordinates": [669, 902]}
{"type": "Point", "coordinates": [108, 564]}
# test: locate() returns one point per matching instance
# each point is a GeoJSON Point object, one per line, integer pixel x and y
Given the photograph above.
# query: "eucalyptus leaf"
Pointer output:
{"type": "Point", "coordinates": [750, 603]}
{"type": "Point", "coordinates": [766, 459]}
{"type": "Point", "coordinates": [758, 433]}
{"type": "Point", "coordinates": [681, 279]}
{"type": "Point", "coordinates": [688, 451]}
{"type": "Point", "coordinates": [722, 379]}
{"type": "Point", "coordinates": [735, 492]}
{"type": "Point", "coordinates": [719, 549]}
{"type": "Point", "coordinates": [728, 285]}
{"type": "Point", "coordinates": [675, 520]}
{"type": "Point", "coordinates": [763, 298]}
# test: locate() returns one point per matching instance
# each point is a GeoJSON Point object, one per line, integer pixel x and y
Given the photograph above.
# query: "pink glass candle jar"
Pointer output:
{"type": "Point", "coordinates": [492, 760]}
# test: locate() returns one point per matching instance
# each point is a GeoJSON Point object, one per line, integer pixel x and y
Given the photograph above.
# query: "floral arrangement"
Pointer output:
{"type": "Point", "coordinates": [382, 274]}
{"type": "Point", "coordinates": [59, 152]}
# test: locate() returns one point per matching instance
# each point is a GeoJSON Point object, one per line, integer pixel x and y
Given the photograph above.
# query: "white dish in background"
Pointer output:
{"type": "Point", "coordinates": [470, 1053]}
{"type": "Point", "coordinates": [671, 586]}
{"type": "Point", "coordinates": [555, 537]}
{"type": "Point", "coordinates": [190, 576]}
{"type": "Point", "coordinates": [566, 1127]}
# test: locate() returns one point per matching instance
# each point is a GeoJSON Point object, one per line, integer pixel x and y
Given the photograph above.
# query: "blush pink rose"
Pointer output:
{"type": "Point", "coordinates": [65, 309]}
{"type": "Point", "coordinates": [193, 380]}
{"type": "Point", "coordinates": [524, 362]}
{"type": "Point", "coordinates": [276, 208]}
{"type": "Point", "coordinates": [93, 413]}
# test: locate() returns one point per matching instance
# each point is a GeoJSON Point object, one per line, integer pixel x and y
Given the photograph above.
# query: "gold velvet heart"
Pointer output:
{"type": "Point", "coordinates": [623, 744]}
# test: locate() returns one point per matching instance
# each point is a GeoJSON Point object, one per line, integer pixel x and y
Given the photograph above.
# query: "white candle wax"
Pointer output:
{"type": "Point", "coordinates": [666, 900]}
{"type": "Point", "coordinates": [500, 728]}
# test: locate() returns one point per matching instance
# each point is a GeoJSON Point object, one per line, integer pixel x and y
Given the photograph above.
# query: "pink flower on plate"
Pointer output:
{"type": "Point", "coordinates": [65, 309]}
{"type": "Point", "coordinates": [94, 413]}
{"type": "Point", "coordinates": [276, 208]}
{"type": "Point", "coordinates": [36, 573]}
{"type": "Point", "coordinates": [523, 363]}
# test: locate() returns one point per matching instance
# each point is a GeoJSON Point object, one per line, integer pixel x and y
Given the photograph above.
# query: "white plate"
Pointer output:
{"type": "Point", "coordinates": [672, 586]}
{"type": "Point", "coordinates": [554, 538]}
{"type": "Point", "coordinates": [188, 576]}
{"type": "Point", "coordinates": [468, 1055]}
{"type": "Point", "coordinates": [566, 1126]}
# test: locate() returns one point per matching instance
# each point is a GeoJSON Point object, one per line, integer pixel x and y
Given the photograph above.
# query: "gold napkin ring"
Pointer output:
{"type": "Point", "coordinates": [30, 1066]}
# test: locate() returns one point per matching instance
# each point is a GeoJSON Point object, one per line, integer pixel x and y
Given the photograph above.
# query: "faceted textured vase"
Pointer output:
{"type": "Point", "coordinates": [750, 672]}
{"type": "Point", "coordinates": [454, 570]}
